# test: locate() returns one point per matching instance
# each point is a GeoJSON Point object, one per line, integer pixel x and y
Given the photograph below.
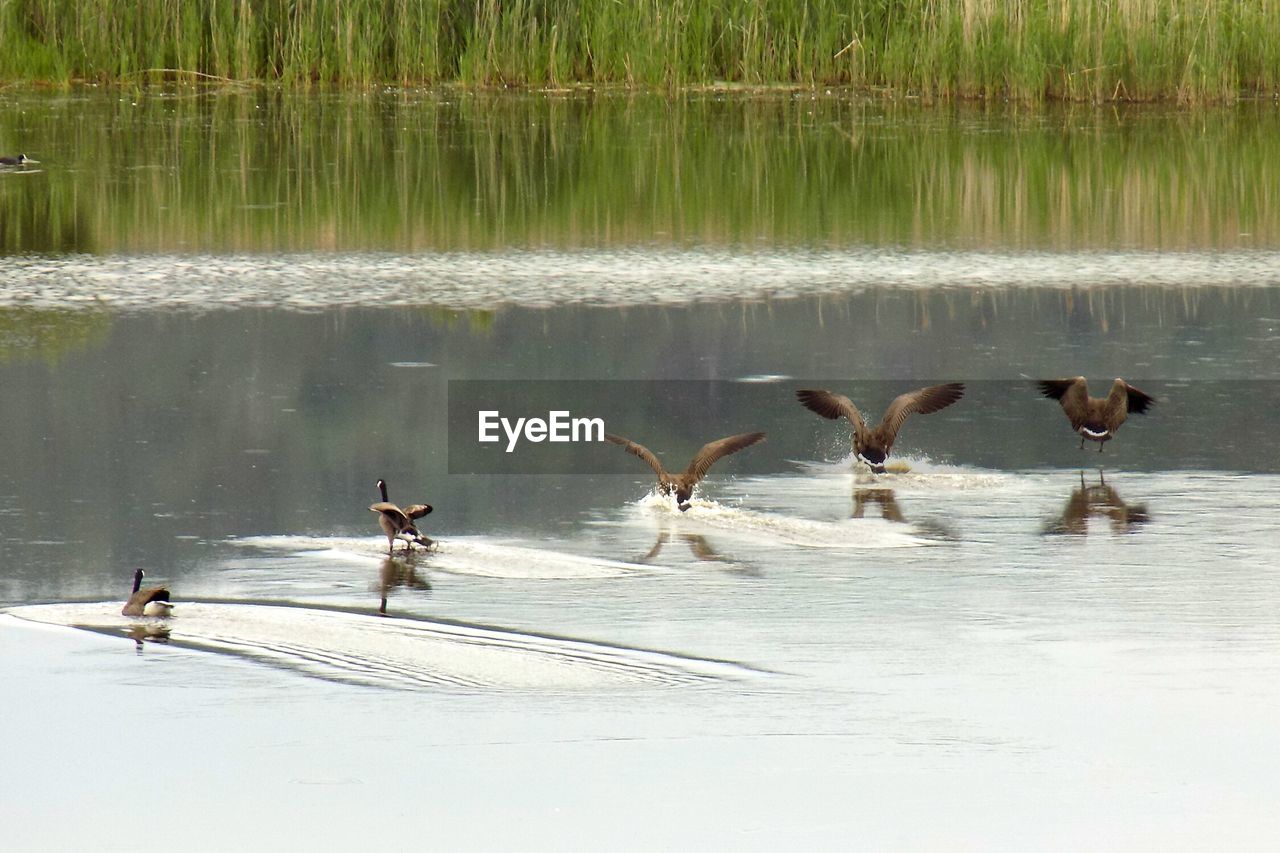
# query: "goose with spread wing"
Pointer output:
{"type": "Point", "coordinates": [682, 484]}
{"type": "Point", "coordinates": [872, 444]}
{"type": "Point", "coordinates": [1096, 418]}
{"type": "Point", "coordinates": [397, 523]}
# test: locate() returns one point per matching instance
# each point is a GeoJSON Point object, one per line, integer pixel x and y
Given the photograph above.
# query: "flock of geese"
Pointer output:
{"type": "Point", "coordinates": [1093, 418]}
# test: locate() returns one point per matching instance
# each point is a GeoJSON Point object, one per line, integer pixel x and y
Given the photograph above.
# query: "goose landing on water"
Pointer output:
{"type": "Point", "coordinates": [682, 484]}
{"type": "Point", "coordinates": [1095, 418]}
{"type": "Point", "coordinates": [153, 601]}
{"type": "Point", "coordinates": [873, 445]}
{"type": "Point", "coordinates": [397, 523]}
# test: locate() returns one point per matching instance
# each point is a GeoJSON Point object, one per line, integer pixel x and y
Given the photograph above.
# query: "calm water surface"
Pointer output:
{"type": "Point", "coordinates": [223, 317]}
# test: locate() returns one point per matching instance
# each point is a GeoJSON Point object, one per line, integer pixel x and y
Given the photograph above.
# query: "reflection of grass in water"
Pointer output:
{"type": "Point", "coordinates": [1076, 49]}
{"type": "Point", "coordinates": [265, 171]}
{"type": "Point", "coordinates": [479, 322]}
{"type": "Point", "coordinates": [27, 334]}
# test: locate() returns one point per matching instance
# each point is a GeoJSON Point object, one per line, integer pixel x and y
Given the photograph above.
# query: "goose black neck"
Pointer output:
{"type": "Point", "coordinates": [137, 580]}
{"type": "Point", "coordinates": [382, 489]}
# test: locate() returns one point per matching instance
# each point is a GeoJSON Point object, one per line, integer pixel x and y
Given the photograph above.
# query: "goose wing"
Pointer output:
{"type": "Point", "coordinates": [1071, 394]}
{"type": "Point", "coordinates": [392, 512]}
{"type": "Point", "coordinates": [922, 401]}
{"type": "Point", "coordinates": [831, 406]}
{"type": "Point", "coordinates": [139, 600]}
{"type": "Point", "coordinates": [1139, 401]}
{"type": "Point", "coordinates": [637, 450]}
{"type": "Point", "coordinates": [417, 510]}
{"type": "Point", "coordinates": [1123, 399]}
{"type": "Point", "coordinates": [714, 450]}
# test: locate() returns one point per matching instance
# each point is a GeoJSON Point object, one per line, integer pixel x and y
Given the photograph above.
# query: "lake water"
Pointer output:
{"type": "Point", "coordinates": [224, 316]}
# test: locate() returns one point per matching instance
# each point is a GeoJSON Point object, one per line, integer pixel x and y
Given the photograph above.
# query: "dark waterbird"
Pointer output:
{"type": "Point", "coordinates": [153, 601]}
{"type": "Point", "coordinates": [873, 445]}
{"type": "Point", "coordinates": [20, 160]}
{"type": "Point", "coordinates": [1095, 418]}
{"type": "Point", "coordinates": [682, 484]}
{"type": "Point", "coordinates": [397, 523]}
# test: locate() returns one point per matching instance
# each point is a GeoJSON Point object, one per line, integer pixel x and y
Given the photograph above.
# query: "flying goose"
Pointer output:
{"type": "Point", "coordinates": [153, 601]}
{"type": "Point", "coordinates": [397, 523]}
{"type": "Point", "coordinates": [872, 445]}
{"type": "Point", "coordinates": [682, 484]}
{"type": "Point", "coordinates": [1095, 418]}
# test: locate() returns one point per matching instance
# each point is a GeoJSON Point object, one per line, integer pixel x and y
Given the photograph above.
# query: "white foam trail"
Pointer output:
{"type": "Point", "coordinates": [461, 555]}
{"type": "Point", "coordinates": [773, 529]}
{"type": "Point", "coordinates": [397, 653]}
{"type": "Point", "coordinates": [915, 471]}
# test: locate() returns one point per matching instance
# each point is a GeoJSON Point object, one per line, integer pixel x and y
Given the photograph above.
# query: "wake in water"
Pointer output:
{"type": "Point", "coordinates": [398, 653]}
{"type": "Point", "coordinates": [465, 555]}
{"type": "Point", "coordinates": [769, 528]}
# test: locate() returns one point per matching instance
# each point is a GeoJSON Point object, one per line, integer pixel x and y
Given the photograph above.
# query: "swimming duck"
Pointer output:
{"type": "Point", "coordinates": [153, 601]}
{"type": "Point", "coordinates": [682, 484]}
{"type": "Point", "coordinates": [397, 523]}
{"type": "Point", "coordinates": [872, 445]}
{"type": "Point", "coordinates": [1095, 418]}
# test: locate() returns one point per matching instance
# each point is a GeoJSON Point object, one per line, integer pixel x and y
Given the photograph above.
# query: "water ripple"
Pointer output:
{"type": "Point", "coordinates": [547, 278]}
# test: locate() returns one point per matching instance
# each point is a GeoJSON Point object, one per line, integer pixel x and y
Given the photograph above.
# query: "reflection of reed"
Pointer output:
{"type": "Point", "coordinates": [1098, 501]}
{"type": "Point", "coordinates": [475, 172]}
{"type": "Point", "coordinates": [399, 573]}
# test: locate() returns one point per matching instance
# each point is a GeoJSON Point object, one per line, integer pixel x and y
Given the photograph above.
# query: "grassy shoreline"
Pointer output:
{"type": "Point", "coordinates": [1077, 50]}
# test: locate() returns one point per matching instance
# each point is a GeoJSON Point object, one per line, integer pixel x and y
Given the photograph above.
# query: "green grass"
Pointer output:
{"type": "Point", "coordinates": [1185, 50]}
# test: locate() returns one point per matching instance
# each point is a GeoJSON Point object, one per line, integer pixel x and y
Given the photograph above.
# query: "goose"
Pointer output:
{"type": "Point", "coordinates": [20, 160]}
{"type": "Point", "coordinates": [872, 445]}
{"type": "Point", "coordinates": [153, 601]}
{"type": "Point", "coordinates": [397, 523]}
{"type": "Point", "coordinates": [682, 484]}
{"type": "Point", "coordinates": [1095, 418]}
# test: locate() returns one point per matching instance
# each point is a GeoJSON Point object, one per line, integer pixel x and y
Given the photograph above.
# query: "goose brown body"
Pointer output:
{"type": "Point", "coordinates": [872, 444]}
{"type": "Point", "coordinates": [1095, 418]}
{"type": "Point", "coordinates": [153, 601]}
{"type": "Point", "coordinates": [681, 484]}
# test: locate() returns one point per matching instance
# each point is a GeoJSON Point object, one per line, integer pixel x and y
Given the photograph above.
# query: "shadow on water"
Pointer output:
{"type": "Point", "coordinates": [1100, 501]}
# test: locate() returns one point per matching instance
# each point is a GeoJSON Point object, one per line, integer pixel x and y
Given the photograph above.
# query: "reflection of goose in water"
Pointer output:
{"type": "Point", "coordinates": [147, 633]}
{"type": "Point", "coordinates": [698, 545]}
{"type": "Point", "coordinates": [872, 445]}
{"type": "Point", "coordinates": [1098, 501]}
{"type": "Point", "coordinates": [394, 574]}
{"type": "Point", "coordinates": [1095, 418]}
{"type": "Point", "coordinates": [881, 498]}
{"type": "Point", "coordinates": [682, 484]}
{"type": "Point", "coordinates": [152, 601]}
{"type": "Point", "coordinates": [397, 523]}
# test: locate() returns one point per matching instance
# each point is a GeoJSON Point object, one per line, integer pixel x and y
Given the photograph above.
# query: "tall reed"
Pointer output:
{"type": "Point", "coordinates": [1190, 50]}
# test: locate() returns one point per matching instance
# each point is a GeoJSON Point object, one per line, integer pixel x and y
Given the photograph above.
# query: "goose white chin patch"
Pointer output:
{"type": "Point", "coordinates": [1093, 434]}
